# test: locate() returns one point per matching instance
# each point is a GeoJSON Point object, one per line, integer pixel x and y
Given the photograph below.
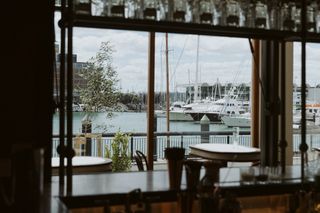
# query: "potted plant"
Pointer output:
{"type": "Point", "coordinates": [119, 153]}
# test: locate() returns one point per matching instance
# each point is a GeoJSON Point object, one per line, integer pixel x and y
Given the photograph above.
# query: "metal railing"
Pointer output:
{"type": "Point", "coordinates": [138, 141]}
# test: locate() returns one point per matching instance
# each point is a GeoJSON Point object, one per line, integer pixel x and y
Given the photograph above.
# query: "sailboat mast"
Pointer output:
{"type": "Point", "coordinates": [167, 88]}
{"type": "Point", "coordinates": [197, 73]}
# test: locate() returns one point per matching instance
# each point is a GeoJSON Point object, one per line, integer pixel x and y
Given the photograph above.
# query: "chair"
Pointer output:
{"type": "Point", "coordinates": [141, 159]}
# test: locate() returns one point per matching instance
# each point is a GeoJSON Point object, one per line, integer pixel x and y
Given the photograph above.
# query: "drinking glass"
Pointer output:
{"type": "Point", "coordinates": [275, 175]}
{"type": "Point", "coordinates": [247, 175]}
{"type": "Point", "coordinates": [262, 174]}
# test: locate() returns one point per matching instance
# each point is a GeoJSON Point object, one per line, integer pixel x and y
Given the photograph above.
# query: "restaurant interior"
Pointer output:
{"type": "Point", "coordinates": [26, 180]}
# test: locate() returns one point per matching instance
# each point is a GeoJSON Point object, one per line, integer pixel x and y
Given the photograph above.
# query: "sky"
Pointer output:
{"type": "Point", "coordinates": [223, 59]}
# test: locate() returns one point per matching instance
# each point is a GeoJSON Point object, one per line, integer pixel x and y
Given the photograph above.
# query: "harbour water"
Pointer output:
{"type": "Point", "coordinates": [136, 122]}
{"type": "Point", "coordinates": [131, 122]}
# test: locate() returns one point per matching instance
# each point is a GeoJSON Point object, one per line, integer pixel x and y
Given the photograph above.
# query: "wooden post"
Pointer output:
{"type": "Point", "coordinates": [150, 111]}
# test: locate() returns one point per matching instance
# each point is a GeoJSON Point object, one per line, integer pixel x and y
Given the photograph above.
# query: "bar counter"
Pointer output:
{"type": "Point", "coordinates": [90, 190]}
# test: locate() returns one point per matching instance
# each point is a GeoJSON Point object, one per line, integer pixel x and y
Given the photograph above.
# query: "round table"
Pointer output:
{"type": "Point", "coordinates": [225, 152]}
{"type": "Point", "coordinates": [83, 164]}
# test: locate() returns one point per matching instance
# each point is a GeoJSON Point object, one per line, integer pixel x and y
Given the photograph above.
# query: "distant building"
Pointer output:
{"type": "Point", "coordinates": [78, 81]}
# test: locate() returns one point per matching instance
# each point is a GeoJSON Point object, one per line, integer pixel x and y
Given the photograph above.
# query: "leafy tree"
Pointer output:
{"type": "Point", "coordinates": [101, 92]}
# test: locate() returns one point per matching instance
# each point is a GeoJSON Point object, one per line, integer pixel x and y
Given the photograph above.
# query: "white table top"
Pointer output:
{"type": "Point", "coordinates": [225, 152]}
{"type": "Point", "coordinates": [224, 148]}
{"type": "Point", "coordinates": [82, 161]}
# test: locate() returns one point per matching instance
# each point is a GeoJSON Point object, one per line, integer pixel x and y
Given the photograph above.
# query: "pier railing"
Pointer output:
{"type": "Point", "coordinates": [138, 141]}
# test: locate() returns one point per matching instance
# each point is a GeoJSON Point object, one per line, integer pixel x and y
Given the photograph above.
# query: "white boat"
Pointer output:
{"type": "Point", "coordinates": [176, 112]}
{"type": "Point", "coordinates": [243, 120]}
{"type": "Point", "coordinates": [214, 110]}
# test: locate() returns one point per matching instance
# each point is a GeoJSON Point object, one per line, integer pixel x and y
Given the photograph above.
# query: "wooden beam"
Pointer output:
{"type": "Point", "coordinates": [150, 111]}
{"type": "Point", "coordinates": [255, 94]}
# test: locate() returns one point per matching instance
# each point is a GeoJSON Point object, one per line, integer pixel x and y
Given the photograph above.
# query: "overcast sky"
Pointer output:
{"type": "Point", "coordinates": [223, 58]}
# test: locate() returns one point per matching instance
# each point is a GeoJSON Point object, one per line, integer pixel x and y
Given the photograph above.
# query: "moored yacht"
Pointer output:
{"type": "Point", "coordinates": [214, 110]}
{"type": "Point", "coordinates": [243, 120]}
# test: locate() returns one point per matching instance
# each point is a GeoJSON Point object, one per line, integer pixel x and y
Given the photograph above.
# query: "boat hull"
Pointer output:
{"type": "Point", "coordinates": [175, 115]}
{"type": "Point", "coordinates": [231, 121]}
{"type": "Point", "coordinates": [180, 116]}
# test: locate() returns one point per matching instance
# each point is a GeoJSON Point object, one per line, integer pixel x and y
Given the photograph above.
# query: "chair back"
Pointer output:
{"type": "Point", "coordinates": [141, 159]}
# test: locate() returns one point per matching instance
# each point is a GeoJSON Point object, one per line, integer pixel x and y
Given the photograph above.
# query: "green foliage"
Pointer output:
{"type": "Point", "coordinates": [121, 160]}
{"type": "Point", "coordinates": [101, 92]}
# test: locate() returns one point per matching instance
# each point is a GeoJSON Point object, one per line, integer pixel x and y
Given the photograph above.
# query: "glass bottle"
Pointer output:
{"type": "Point", "coordinates": [164, 10]}
{"type": "Point", "coordinates": [288, 12]}
{"type": "Point", "coordinates": [311, 24]}
{"type": "Point", "coordinates": [179, 10]}
{"type": "Point", "coordinates": [232, 13]}
{"type": "Point", "coordinates": [274, 15]}
{"type": "Point", "coordinates": [317, 17]}
{"type": "Point", "coordinates": [82, 7]}
{"type": "Point", "coordinates": [261, 12]}
{"type": "Point", "coordinates": [297, 16]}
{"type": "Point", "coordinates": [116, 8]}
{"type": "Point", "coordinates": [247, 8]}
{"type": "Point", "coordinates": [218, 12]}
{"type": "Point", "coordinates": [150, 9]}
{"type": "Point", "coordinates": [205, 11]}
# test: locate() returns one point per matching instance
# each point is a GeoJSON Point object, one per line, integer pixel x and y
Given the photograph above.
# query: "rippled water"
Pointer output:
{"type": "Point", "coordinates": [131, 122]}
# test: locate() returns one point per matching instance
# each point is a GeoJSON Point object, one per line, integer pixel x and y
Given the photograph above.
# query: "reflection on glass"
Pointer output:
{"type": "Point", "coordinates": [261, 12]}
{"type": "Point", "coordinates": [205, 11]}
{"type": "Point", "coordinates": [179, 10]}
{"type": "Point", "coordinates": [150, 9]}
{"type": "Point", "coordinates": [232, 13]}
{"type": "Point", "coordinates": [83, 7]}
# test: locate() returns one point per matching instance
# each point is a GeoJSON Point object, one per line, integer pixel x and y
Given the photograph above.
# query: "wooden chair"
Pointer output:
{"type": "Point", "coordinates": [141, 159]}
